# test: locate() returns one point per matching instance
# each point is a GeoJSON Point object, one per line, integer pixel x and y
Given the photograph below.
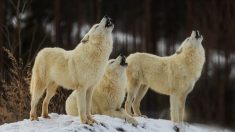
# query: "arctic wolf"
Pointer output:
{"type": "Point", "coordinates": [173, 75]}
{"type": "Point", "coordinates": [79, 69]}
{"type": "Point", "coordinates": [109, 94]}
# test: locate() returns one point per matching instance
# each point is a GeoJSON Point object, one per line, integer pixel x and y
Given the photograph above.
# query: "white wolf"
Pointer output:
{"type": "Point", "coordinates": [79, 69]}
{"type": "Point", "coordinates": [173, 75]}
{"type": "Point", "coordinates": [109, 94]}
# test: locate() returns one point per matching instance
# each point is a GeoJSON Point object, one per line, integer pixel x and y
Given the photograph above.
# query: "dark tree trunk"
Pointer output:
{"type": "Point", "coordinates": [18, 29]}
{"type": "Point", "coordinates": [2, 24]}
{"type": "Point", "coordinates": [80, 16]}
{"type": "Point", "coordinates": [69, 30]}
{"type": "Point", "coordinates": [97, 10]}
{"type": "Point", "coordinates": [134, 38]}
{"type": "Point", "coordinates": [147, 45]}
{"type": "Point", "coordinates": [189, 16]}
{"type": "Point", "coordinates": [57, 19]}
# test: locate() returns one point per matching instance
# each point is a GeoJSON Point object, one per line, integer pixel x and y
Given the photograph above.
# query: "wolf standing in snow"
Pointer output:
{"type": "Point", "coordinates": [174, 75]}
{"type": "Point", "coordinates": [109, 94]}
{"type": "Point", "coordinates": [79, 69]}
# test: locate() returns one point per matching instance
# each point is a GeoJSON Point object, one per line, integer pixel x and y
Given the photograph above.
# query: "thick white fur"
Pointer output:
{"type": "Point", "coordinates": [173, 75]}
{"type": "Point", "coordinates": [109, 94]}
{"type": "Point", "coordinates": [79, 69]}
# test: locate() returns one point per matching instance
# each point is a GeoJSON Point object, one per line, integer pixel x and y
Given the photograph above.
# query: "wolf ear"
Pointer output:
{"type": "Point", "coordinates": [85, 39]}
{"type": "Point", "coordinates": [178, 51]}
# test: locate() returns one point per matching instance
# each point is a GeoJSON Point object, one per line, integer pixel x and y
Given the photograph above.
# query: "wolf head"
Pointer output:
{"type": "Point", "coordinates": [116, 66]}
{"type": "Point", "coordinates": [192, 42]}
{"type": "Point", "coordinates": [99, 31]}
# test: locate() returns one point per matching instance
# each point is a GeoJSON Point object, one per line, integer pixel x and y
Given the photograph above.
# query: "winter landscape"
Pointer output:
{"type": "Point", "coordinates": [115, 61]}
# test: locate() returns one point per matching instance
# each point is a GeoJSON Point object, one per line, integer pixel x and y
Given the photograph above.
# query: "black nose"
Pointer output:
{"type": "Point", "coordinates": [106, 16]}
{"type": "Point", "coordinates": [123, 60]}
{"type": "Point", "coordinates": [122, 55]}
{"type": "Point", "coordinates": [109, 22]}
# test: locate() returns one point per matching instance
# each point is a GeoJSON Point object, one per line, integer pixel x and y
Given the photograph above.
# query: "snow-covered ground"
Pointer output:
{"type": "Point", "coordinates": [65, 123]}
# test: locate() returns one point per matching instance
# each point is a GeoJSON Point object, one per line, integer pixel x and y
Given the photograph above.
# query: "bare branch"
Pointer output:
{"type": "Point", "coordinates": [31, 45]}
{"type": "Point", "coordinates": [12, 3]}
{"type": "Point", "coordinates": [7, 36]}
{"type": "Point", "coordinates": [40, 44]}
{"type": "Point", "coordinates": [25, 5]}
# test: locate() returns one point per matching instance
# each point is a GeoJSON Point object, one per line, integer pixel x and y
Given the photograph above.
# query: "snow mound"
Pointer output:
{"type": "Point", "coordinates": [65, 123]}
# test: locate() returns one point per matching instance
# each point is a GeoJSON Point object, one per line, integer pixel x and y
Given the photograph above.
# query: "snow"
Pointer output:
{"type": "Point", "coordinates": [66, 123]}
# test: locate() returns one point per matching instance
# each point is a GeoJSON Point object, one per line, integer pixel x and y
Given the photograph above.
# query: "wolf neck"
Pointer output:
{"type": "Point", "coordinates": [106, 45]}
{"type": "Point", "coordinates": [115, 84]}
{"type": "Point", "coordinates": [100, 49]}
{"type": "Point", "coordinates": [195, 60]}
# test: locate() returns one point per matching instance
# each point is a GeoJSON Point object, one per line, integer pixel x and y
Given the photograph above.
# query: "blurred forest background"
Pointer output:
{"type": "Point", "coordinates": [153, 26]}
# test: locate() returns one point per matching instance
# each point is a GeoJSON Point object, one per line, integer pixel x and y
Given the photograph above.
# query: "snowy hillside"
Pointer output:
{"type": "Point", "coordinates": [65, 123]}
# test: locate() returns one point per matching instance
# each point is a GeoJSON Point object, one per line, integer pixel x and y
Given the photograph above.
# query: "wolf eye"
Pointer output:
{"type": "Point", "coordinates": [111, 62]}
{"type": "Point", "coordinates": [96, 26]}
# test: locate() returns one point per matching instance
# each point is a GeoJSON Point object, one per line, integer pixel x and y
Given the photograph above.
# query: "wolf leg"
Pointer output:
{"type": "Point", "coordinates": [136, 103]}
{"type": "Point", "coordinates": [88, 105]}
{"type": "Point", "coordinates": [51, 90]}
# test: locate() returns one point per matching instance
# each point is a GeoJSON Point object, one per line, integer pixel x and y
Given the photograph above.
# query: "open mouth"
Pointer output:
{"type": "Point", "coordinates": [124, 64]}
{"type": "Point", "coordinates": [197, 35]}
{"type": "Point", "coordinates": [108, 22]}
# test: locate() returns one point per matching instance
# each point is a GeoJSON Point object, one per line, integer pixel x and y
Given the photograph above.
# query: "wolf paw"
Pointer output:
{"type": "Point", "coordinates": [133, 121]}
{"type": "Point", "coordinates": [34, 118]}
{"type": "Point", "coordinates": [46, 116]}
{"type": "Point", "coordinates": [88, 121]}
{"type": "Point", "coordinates": [91, 121]}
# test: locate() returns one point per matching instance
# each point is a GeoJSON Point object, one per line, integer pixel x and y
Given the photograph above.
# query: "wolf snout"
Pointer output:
{"type": "Point", "coordinates": [106, 16]}
{"type": "Point", "coordinates": [197, 35]}
{"type": "Point", "coordinates": [123, 60]}
{"type": "Point", "coordinates": [108, 21]}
